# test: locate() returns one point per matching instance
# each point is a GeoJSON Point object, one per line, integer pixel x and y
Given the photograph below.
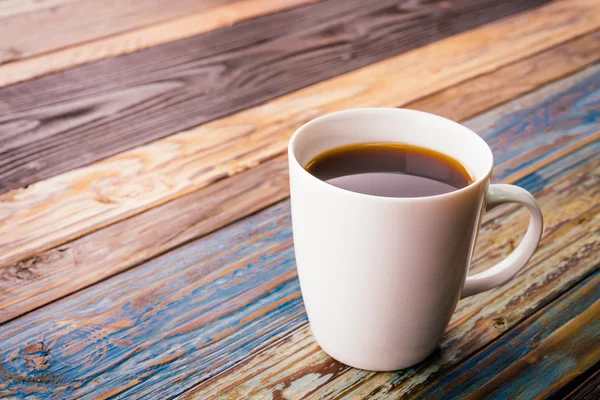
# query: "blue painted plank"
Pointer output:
{"type": "Point", "coordinates": [538, 180]}
{"type": "Point", "coordinates": [542, 124]}
{"type": "Point", "coordinates": [212, 297]}
{"type": "Point", "coordinates": [497, 371]}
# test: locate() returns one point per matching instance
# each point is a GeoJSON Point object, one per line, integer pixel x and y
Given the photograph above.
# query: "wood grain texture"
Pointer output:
{"type": "Point", "coordinates": [131, 100]}
{"type": "Point", "coordinates": [58, 272]}
{"type": "Point", "coordinates": [141, 38]}
{"type": "Point", "coordinates": [182, 318]}
{"type": "Point", "coordinates": [61, 271]}
{"type": "Point", "coordinates": [10, 8]}
{"type": "Point", "coordinates": [469, 98]}
{"type": "Point", "coordinates": [561, 357]}
{"type": "Point", "coordinates": [537, 357]}
{"type": "Point", "coordinates": [223, 264]}
{"type": "Point", "coordinates": [62, 208]}
{"type": "Point", "coordinates": [66, 23]}
{"type": "Point", "coordinates": [562, 114]}
{"type": "Point", "coordinates": [295, 367]}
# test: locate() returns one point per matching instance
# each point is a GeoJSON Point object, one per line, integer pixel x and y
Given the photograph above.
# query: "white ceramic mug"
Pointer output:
{"type": "Point", "coordinates": [381, 276]}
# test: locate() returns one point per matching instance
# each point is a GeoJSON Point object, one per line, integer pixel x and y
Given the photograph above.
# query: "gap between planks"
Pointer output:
{"type": "Point", "coordinates": [589, 389]}
{"type": "Point", "coordinates": [58, 272]}
{"type": "Point", "coordinates": [98, 195]}
{"type": "Point", "coordinates": [141, 38]}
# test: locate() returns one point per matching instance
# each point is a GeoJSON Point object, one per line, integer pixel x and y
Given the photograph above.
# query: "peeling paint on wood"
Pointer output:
{"type": "Point", "coordinates": [533, 359]}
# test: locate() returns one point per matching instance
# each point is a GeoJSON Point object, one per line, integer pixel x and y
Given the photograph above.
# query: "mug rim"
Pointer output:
{"type": "Point", "coordinates": [471, 186]}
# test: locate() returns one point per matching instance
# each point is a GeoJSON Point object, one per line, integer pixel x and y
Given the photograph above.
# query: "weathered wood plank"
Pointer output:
{"type": "Point", "coordinates": [296, 367]}
{"type": "Point", "coordinates": [495, 249]}
{"type": "Point", "coordinates": [141, 38]}
{"type": "Point", "coordinates": [481, 93]}
{"type": "Point", "coordinates": [230, 252]}
{"type": "Point", "coordinates": [537, 357]}
{"type": "Point", "coordinates": [64, 23]}
{"type": "Point", "coordinates": [60, 271]}
{"type": "Point", "coordinates": [559, 113]}
{"type": "Point", "coordinates": [561, 357]}
{"type": "Point", "coordinates": [10, 8]}
{"type": "Point", "coordinates": [62, 208]}
{"type": "Point", "coordinates": [134, 99]}
{"type": "Point", "coordinates": [190, 314]}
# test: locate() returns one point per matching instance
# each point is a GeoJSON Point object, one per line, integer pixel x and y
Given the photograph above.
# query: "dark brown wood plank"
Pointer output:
{"type": "Point", "coordinates": [140, 38]}
{"type": "Point", "coordinates": [69, 119]}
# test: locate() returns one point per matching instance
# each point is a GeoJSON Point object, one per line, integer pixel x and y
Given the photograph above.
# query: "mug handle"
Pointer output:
{"type": "Point", "coordinates": [511, 265]}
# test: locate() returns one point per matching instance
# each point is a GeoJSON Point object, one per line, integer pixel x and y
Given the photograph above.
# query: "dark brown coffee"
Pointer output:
{"type": "Point", "coordinates": [390, 170]}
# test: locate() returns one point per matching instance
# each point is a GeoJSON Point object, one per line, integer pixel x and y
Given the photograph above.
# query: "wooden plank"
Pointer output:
{"type": "Point", "coordinates": [295, 366]}
{"type": "Point", "coordinates": [483, 92]}
{"type": "Point", "coordinates": [529, 120]}
{"type": "Point", "coordinates": [62, 208]}
{"type": "Point", "coordinates": [188, 315]}
{"type": "Point", "coordinates": [60, 271]}
{"type": "Point", "coordinates": [73, 22]}
{"type": "Point", "coordinates": [134, 99]}
{"type": "Point", "coordinates": [555, 111]}
{"type": "Point", "coordinates": [563, 356]}
{"type": "Point", "coordinates": [10, 8]}
{"type": "Point", "coordinates": [141, 38]}
{"type": "Point", "coordinates": [537, 357]}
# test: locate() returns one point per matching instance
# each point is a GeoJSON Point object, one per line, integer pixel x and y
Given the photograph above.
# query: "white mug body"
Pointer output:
{"type": "Point", "coordinates": [381, 276]}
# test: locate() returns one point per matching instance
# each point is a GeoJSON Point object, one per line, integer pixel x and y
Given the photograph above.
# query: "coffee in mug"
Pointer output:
{"type": "Point", "coordinates": [389, 170]}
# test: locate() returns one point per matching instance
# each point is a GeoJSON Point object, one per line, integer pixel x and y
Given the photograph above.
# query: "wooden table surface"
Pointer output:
{"type": "Point", "coordinates": [145, 239]}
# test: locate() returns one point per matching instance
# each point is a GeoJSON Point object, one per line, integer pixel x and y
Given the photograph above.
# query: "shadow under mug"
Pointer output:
{"type": "Point", "coordinates": [381, 276]}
